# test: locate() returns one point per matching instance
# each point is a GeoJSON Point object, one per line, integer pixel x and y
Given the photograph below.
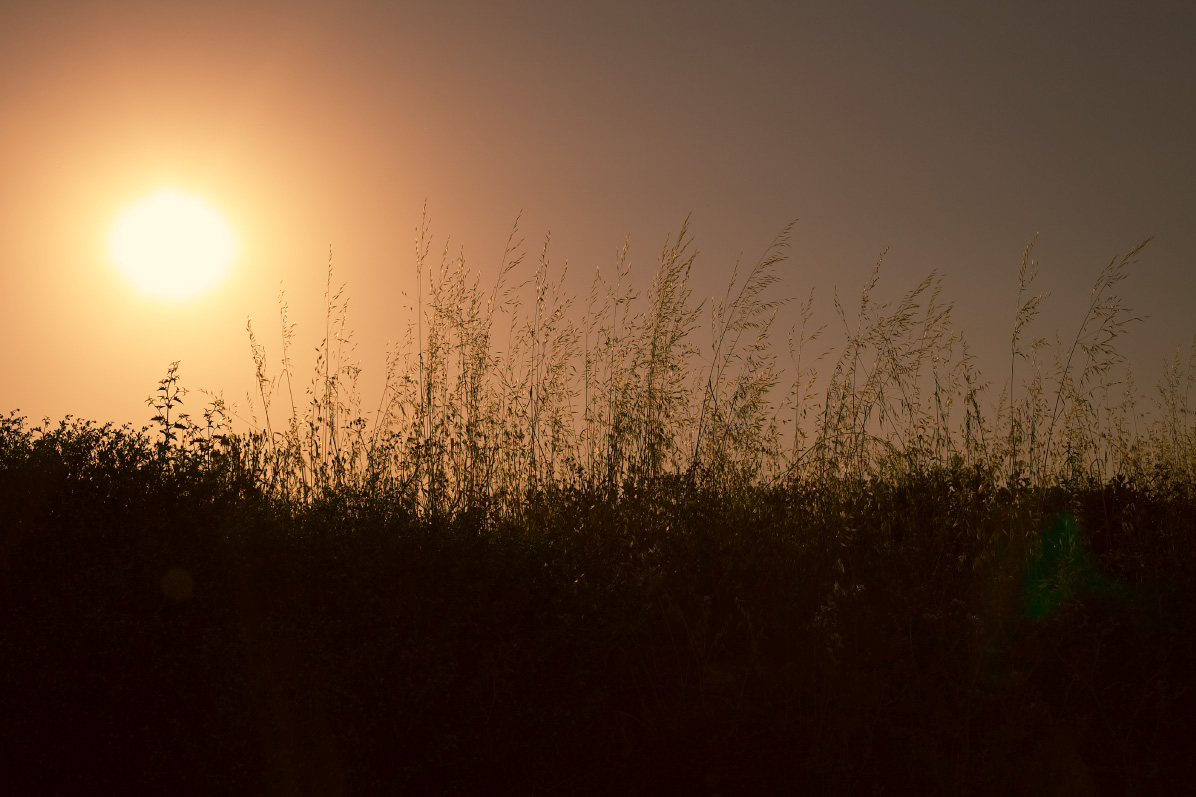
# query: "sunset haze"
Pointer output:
{"type": "Point", "coordinates": [947, 134]}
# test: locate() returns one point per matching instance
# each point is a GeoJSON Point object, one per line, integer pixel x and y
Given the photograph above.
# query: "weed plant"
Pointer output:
{"type": "Point", "coordinates": [588, 549]}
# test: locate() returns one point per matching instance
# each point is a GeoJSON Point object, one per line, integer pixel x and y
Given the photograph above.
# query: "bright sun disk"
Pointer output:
{"type": "Point", "coordinates": [172, 245]}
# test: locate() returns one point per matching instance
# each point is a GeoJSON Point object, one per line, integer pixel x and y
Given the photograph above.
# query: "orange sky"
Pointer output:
{"type": "Point", "coordinates": [950, 136]}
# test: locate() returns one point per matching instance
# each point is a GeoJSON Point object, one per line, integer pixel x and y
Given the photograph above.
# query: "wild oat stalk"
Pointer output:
{"type": "Point", "coordinates": [1105, 320]}
{"type": "Point", "coordinates": [1174, 432]}
{"type": "Point", "coordinates": [804, 379]}
{"type": "Point", "coordinates": [661, 356]}
{"type": "Point", "coordinates": [1027, 311]}
{"type": "Point", "coordinates": [872, 411]}
{"type": "Point", "coordinates": [734, 419]}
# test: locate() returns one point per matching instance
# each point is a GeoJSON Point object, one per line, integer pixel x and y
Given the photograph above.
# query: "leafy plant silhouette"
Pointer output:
{"type": "Point", "coordinates": [170, 396]}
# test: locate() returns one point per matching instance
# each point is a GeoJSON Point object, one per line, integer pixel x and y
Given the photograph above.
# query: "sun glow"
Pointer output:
{"type": "Point", "coordinates": [172, 245]}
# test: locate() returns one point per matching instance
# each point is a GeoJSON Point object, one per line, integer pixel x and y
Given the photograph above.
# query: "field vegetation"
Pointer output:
{"type": "Point", "coordinates": [627, 542]}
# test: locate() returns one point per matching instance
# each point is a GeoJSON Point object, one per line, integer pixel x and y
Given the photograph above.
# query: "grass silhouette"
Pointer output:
{"type": "Point", "coordinates": [577, 551]}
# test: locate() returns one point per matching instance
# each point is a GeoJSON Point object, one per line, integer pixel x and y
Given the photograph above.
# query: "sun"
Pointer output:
{"type": "Point", "coordinates": [172, 245]}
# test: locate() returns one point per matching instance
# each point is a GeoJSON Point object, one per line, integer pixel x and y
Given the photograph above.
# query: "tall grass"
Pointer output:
{"type": "Point", "coordinates": [516, 387]}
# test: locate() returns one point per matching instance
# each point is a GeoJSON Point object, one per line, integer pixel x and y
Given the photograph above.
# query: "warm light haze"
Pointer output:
{"type": "Point", "coordinates": [172, 245]}
{"type": "Point", "coordinates": [169, 167]}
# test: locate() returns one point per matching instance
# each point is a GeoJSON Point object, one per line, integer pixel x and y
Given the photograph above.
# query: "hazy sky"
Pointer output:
{"type": "Point", "coordinates": [948, 132]}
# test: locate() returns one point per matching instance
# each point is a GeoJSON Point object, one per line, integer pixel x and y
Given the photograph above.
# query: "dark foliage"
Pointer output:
{"type": "Point", "coordinates": [167, 626]}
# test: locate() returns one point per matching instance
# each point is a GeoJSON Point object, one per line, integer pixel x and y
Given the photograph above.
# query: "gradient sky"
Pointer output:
{"type": "Point", "coordinates": [948, 132]}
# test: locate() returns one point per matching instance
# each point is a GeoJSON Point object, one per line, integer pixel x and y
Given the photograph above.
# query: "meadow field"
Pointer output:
{"type": "Point", "coordinates": [622, 542]}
